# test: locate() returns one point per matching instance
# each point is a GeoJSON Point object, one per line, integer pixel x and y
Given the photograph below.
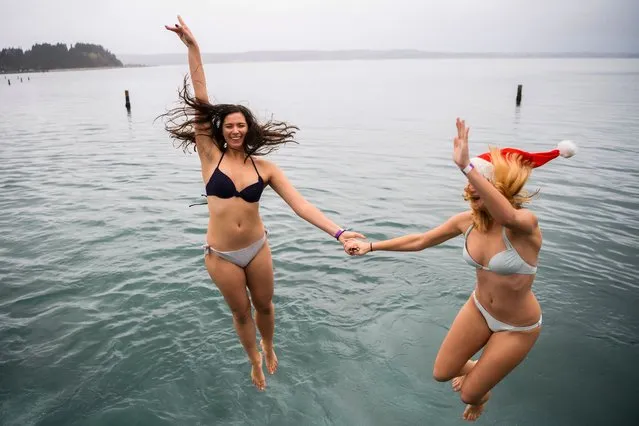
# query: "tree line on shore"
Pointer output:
{"type": "Point", "coordinates": [45, 56]}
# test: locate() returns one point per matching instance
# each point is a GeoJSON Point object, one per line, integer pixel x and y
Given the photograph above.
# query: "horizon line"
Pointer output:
{"type": "Point", "coordinates": [436, 52]}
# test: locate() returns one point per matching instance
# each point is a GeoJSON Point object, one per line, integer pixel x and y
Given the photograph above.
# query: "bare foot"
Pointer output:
{"type": "Point", "coordinates": [472, 412]}
{"type": "Point", "coordinates": [271, 358]}
{"type": "Point", "coordinates": [458, 382]}
{"type": "Point", "coordinates": [257, 375]}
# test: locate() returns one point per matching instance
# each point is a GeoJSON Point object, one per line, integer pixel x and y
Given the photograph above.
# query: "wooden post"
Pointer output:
{"type": "Point", "coordinates": [127, 103]}
{"type": "Point", "coordinates": [519, 94]}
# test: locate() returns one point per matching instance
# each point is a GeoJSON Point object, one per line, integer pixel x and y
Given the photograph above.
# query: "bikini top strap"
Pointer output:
{"type": "Point", "coordinates": [256, 171]}
{"type": "Point", "coordinates": [470, 228]}
{"type": "Point", "coordinates": [509, 246]}
{"type": "Point", "coordinates": [222, 156]}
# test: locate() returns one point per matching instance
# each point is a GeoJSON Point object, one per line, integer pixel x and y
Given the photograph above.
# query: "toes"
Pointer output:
{"type": "Point", "coordinates": [472, 413]}
{"type": "Point", "coordinates": [272, 366]}
{"type": "Point", "coordinates": [257, 376]}
{"type": "Point", "coordinates": [259, 384]}
{"type": "Point", "coordinates": [468, 413]}
{"type": "Point", "coordinates": [457, 383]}
{"type": "Point", "coordinates": [271, 359]}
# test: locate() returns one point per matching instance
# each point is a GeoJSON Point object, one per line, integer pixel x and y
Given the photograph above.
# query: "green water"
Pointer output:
{"type": "Point", "coordinates": [108, 317]}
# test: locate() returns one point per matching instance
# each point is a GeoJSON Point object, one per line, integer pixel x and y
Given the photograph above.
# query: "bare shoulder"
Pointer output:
{"type": "Point", "coordinates": [266, 167]}
{"type": "Point", "coordinates": [529, 218]}
{"type": "Point", "coordinates": [462, 220]}
{"type": "Point", "coordinates": [528, 215]}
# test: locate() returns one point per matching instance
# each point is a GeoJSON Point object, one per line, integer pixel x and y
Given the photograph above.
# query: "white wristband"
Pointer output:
{"type": "Point", "coordinates": [468, 168]}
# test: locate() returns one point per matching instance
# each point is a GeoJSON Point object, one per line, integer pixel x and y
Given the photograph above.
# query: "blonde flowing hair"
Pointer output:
{"type": "Point", "coordinates": [509, 177]}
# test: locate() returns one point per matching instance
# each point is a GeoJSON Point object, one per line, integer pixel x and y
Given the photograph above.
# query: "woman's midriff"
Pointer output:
{"type": "Point", "coordinates": [233, 223]}
{"type": "Point", "coordinates": [508, 298]}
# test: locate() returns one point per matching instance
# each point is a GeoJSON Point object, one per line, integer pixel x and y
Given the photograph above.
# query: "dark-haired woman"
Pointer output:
{"type": "Point", "coordinates": [229, 140]}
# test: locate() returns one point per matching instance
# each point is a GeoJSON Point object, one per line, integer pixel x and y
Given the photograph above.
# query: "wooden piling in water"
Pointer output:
{"type": "Point", "coordinates": [519, 94]}
{"type": "Point", "coordinates": [127, 102]}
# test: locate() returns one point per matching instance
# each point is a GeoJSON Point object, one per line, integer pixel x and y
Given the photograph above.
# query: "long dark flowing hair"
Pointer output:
{"type": "Point", "coordinates": [260, 139]}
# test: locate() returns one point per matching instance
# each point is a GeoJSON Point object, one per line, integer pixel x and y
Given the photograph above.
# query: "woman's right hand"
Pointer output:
{"type": "Point", "coordinates": [183, 31]}
{"type": "Point", "coordinates": [355, 247]}
{"type": "Point", "coordinates": [460, 145]}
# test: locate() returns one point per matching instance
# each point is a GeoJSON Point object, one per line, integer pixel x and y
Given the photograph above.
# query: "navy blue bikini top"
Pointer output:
{"type": "Point", "coordinates": [220, 185]}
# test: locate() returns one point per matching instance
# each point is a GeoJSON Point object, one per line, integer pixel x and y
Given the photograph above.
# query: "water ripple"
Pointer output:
{"type": "Point", "coordinates": [108, 316]}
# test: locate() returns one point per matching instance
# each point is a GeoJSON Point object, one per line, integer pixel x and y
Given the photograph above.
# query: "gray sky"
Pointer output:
{"type": "Point", "coordinates": [136, 26]}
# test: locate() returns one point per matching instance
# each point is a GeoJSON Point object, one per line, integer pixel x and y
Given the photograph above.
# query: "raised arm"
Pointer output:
{"type": "Point", "coordinates": [307, 211]}
{"type": "Point", "coordinates": [203, 138]}
{"type": "Point", "coordinates": [195, 59]}
{"type": "Point", "coordinates": [498, 206]}
{"type": "Point", "coordinates": [413, 242]}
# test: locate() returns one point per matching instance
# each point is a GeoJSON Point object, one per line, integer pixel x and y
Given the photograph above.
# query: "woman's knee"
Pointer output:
{"type": "Point", "coordinates": [441, 373]}
{"type": "Point", "coordinates": [242, 315]}
{"type": "Point", "coordinates": [264, 307]}
{"type": "Point", "coordinates": [469, 396]}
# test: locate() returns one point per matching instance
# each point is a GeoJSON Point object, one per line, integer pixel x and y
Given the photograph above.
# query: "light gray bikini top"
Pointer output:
{"type": "Point", "coordinates": [506, 262]}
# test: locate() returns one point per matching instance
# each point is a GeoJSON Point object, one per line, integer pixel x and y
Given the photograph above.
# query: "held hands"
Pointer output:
{"type": "Point", "coordinates": [460, 145]}
{"type": "Point", "coordinates": [183, 31]}
{"type": "Point", "coordinates": [347, 235]}
{"type": "Point", "coordinates": [356, 247]}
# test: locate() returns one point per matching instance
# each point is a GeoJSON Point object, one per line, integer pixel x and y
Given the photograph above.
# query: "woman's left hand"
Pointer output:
{"type": "Point", "coordinates": [183, 31]}
{"type": "Point", "coordinates": [356, 247]}
{"type": "Point", "coordinates": [348, 235]}
{"type": "Point", "coordinates": [460, 145]}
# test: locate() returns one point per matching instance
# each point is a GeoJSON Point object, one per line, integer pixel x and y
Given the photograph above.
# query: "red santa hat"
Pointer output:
{"type": "Point", "coordinates": [565, 148]}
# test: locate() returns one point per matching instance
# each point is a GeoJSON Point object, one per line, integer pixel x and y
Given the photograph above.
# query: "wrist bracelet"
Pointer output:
{"type": "Point", "coordinates": [371, 246]}
{"type": "Point", "coordinates": [339, 233]}
{"type": "Point", "coordinates": [468, 168]}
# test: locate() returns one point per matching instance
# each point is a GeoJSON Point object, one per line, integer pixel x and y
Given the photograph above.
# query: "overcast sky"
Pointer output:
{"type": "Point", "coordinates": [136, 26]}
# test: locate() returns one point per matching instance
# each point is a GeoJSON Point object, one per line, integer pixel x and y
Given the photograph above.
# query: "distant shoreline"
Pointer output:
{"type": "Point", "coordinates": [47, 57]}
{"type": "Point", "coordinates": [154, 60]}
{"type": "Point", "coordinates": [72, 69]}
{"type": "Point", "coordinates": [348, 55]}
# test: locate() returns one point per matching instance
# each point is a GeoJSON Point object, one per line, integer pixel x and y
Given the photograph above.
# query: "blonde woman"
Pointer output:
{"type": "Point", "coordinates": [502, 242]}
